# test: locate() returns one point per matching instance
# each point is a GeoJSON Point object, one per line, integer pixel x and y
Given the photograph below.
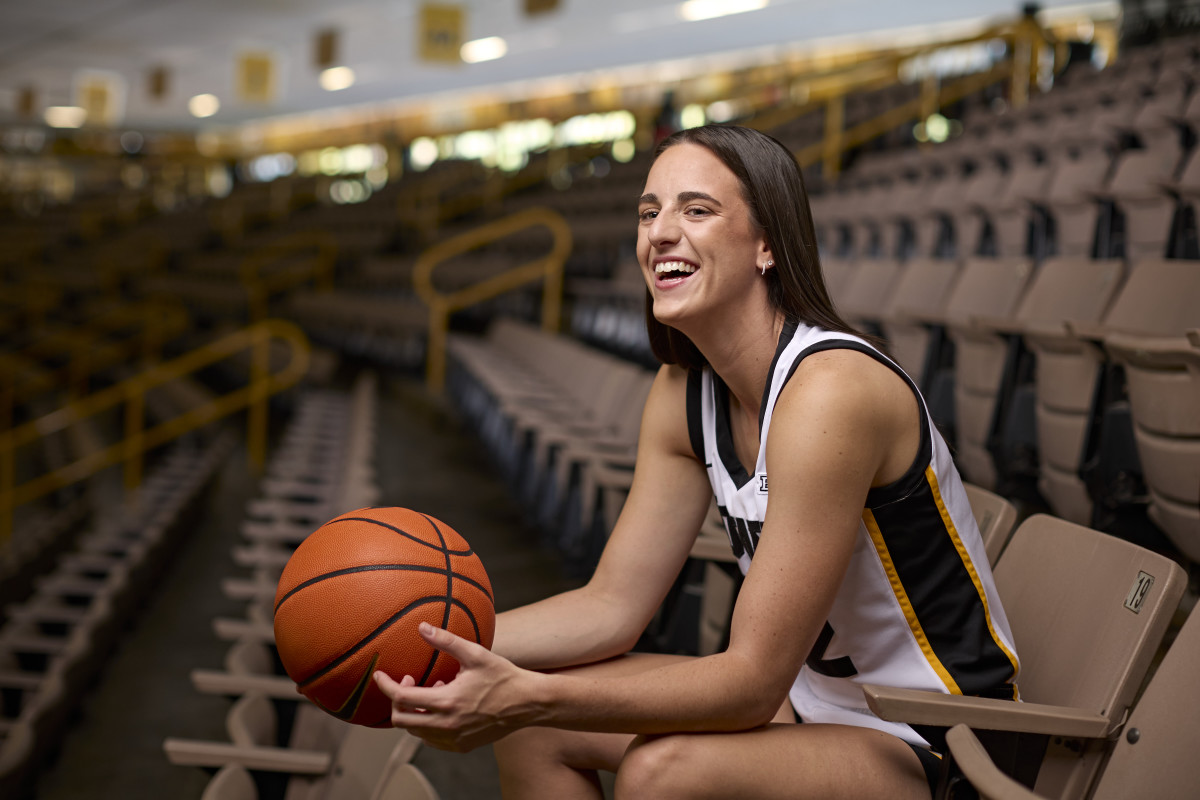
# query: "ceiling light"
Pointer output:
{"type": "Point", "coordinates": [694, 10]}
{"type": "Point", "coordinates": [64, 116]}
{"type": "Point", "coordinates": [204, 105]}
{"type": "Point", "coordinates": [335, 79]}
{"type": "Point", "coordinates": [488, 49]}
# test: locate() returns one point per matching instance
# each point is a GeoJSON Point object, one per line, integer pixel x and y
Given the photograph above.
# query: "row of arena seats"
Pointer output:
{"type": "Point", "coordinates": [54, 642]}
{"type": "Point", "coordinates": [1104, 165]}
{"type": "Point", "coordinates": [280, 744]}
{"type": "Point", "coordinates": [533, 399]}
{"type": "Point", "coordinates": [559, 417]}
{"type": "Point", "coordinates": [1076, 373]}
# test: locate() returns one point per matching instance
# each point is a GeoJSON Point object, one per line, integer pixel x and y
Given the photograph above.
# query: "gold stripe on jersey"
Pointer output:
{"type": "Point", "coordinates": [910, 615]}
{"type": "Point", "coordinates": [969, 564]}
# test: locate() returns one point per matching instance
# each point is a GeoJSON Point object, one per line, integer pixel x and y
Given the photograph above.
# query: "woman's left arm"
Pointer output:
{"type": "Point", "coordinates": [830, 433]}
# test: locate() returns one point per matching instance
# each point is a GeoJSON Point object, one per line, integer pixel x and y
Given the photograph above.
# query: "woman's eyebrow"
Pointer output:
{"type": "Point", "coordinates": [683, 197]}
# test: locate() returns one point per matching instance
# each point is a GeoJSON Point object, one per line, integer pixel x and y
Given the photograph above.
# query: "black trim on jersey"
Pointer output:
{"type": "Point", "coordinates": [785, 338]}
{"type": "Point", "coordinates": [695, 419]}
{"type": "Point", "coordinates": [914, 476]}
{"type": "Point", "coordinates": [943, 594]}
{"type": "Point", "coordinates": [724, 430]}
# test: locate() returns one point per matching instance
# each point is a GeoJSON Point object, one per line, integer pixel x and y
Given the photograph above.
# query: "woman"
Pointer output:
{"type": "Point", "coordinates": [865, 567]}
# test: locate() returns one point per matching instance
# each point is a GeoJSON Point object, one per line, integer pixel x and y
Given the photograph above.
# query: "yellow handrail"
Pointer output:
{"type": "Point", "coordinates": [257, 339]}
{"type": "Point", "coordinates": [260, 285]}
{"type": "Point", "coordinates": [548, 269]}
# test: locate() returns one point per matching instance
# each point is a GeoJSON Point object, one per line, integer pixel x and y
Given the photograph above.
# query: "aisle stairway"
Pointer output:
{"type": "Point", "coordinates": [424, 460]}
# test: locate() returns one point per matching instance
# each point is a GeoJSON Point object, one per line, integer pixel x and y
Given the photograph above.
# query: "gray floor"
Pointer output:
{"type": "Point", "coordinates": [425, 460]}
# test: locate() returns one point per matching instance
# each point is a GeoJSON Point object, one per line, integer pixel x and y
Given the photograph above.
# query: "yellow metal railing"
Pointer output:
{"type": "Point", "coordinates": [129, 396]}
{"type": "Point", "coordinates": [1026, 40]}
{"type": "Point", "coordinates": [548, 269]}
{"type": "Point", "coordinates": [261, 282]}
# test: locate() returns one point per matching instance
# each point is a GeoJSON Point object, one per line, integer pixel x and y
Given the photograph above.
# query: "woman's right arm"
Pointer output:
{"type": "Point", "coordinates": [649, 544]}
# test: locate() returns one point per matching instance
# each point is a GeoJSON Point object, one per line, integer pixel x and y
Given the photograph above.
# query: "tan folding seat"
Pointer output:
{"type": "Point", "coordinates": [839, 274]}
{"type": "Point", "coordinates": [1137, 187]}
{"type": "Point", "coordinates": [867, 293]}
{"type": "Point", "coordinates": [1013, 207]}
{"type": "Point", "coordinates": [971, 212]}
{"type": "Point", "coordinates": [1071, 198]}
{"type": "Point", "coordinates": [1147, 332]}
{"type": "Point", "coordinates": [918, 301]}
{"type": "Point", "coordinates": [987, 289]}
{"type": "Point", "coordinates": [1088, 612]}
{"type": "Point", "coordinates": [231, 782]}
{"type": "Point", "coordinates": [324, 756]}
{"type": "Point", "coordinates": [1065, 294]}
{"type": "Point", "coordinates": [1153, 755]}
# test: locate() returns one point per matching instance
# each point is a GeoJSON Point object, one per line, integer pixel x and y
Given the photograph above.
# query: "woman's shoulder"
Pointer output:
{"type": "Point", "coordinates": [849, 383]}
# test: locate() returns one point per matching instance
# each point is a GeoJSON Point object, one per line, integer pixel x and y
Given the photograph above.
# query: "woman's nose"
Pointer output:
{"type": "Point", "coordinates": [663, 229]}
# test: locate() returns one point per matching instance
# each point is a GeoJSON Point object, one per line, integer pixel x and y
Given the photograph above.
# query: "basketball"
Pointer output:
{"type": "Point", "coordinates": [352, 595]}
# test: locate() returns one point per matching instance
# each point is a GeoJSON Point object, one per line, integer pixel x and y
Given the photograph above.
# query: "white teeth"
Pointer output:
{"type": "Point", "coordinates": [673, 266]}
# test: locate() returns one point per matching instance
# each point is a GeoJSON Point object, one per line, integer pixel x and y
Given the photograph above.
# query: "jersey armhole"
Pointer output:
{"type": "Point", "coordinates": [694, 422]}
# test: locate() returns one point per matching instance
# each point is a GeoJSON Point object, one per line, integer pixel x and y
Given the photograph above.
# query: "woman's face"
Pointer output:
{"type": "Point", "coordinates": [698, 247]}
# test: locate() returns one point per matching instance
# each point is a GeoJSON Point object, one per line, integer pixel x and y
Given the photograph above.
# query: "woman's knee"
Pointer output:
{"type": "Point", "coordinates": [662, 767]}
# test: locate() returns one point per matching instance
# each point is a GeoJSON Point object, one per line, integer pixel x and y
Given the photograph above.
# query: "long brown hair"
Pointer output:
{"type": "Point", "coordinates": [773, 188]}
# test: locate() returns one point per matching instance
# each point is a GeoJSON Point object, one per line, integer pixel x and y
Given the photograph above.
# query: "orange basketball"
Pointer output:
{"type": "Point", "coordinates": [352, 595]}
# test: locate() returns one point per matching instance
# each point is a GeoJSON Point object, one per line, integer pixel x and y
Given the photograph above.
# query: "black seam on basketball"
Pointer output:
{"type": "Point", "coordinates": [436, 654]}
{"type": "Point", "coordinates": [404, 533]}
{"type": "Point", "coordinates": [381, 567]}
{"type": "Point", "coordinates": [355, 699]}
{"type": "Point", "coordinates": [366, 640]}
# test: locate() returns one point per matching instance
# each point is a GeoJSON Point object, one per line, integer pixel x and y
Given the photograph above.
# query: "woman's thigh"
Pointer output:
{"type": "Point", "coordinates": [779, 760]}
{"type": "Point", "coordinates": [784, 761]}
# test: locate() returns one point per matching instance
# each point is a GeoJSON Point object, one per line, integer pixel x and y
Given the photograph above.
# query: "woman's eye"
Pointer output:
{"type": "Point", "coordinates": [696, 211]}
{"type": "Point", "coordinates": [648, 214]}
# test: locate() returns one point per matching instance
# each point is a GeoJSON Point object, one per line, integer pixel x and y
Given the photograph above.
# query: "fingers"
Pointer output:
{"type": "Point", "coordinates": [460, 649]}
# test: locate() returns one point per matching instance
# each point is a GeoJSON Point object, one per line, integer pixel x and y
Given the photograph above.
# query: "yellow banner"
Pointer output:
{"type": "Point", "coordinates": [256, 77]}
{"type": "Point", "coordinates": [441, 33]}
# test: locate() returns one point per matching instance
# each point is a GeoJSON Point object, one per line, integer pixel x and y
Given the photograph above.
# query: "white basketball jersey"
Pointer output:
{"type": "Point", "coordinates": [917, 607]}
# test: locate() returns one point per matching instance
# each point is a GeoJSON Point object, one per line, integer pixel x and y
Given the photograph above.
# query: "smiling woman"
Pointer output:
{"type": "Point", "coordinates": [861, 556]}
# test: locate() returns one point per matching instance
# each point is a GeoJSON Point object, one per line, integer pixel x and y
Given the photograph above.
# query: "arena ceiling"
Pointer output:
{"type": "Point", "coordinates": [155, 55]}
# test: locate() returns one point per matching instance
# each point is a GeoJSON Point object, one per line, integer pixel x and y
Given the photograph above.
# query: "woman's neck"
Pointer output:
{"type": "Point", "coordinates": [741, 355]}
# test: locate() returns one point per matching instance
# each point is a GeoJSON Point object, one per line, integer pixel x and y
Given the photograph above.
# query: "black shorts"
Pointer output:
{"type": "Point", "coordinates": [931, 762]}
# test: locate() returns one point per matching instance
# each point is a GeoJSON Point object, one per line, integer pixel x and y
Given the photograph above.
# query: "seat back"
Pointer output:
{"type": "Point", "coordinates": [231, 782]}
{"type": "Point", "coordinates": [1155, 755]}
{"type": "Point", "coordinates": [360, 763]}
{"type": "Point", "coordinates": [1087, 612]}
{"type": "Point", "coordinates": [252, 722]}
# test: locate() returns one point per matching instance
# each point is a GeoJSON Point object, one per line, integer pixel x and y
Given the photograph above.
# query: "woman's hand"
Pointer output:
{"type": "Point", "coordinates": [487, 699]}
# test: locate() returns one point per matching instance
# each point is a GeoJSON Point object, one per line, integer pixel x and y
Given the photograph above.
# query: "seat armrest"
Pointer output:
{"type": "Point", "coordinates": [199, 753]}
{"type": "Point", "coordinates": [1093, 331]}
{"type": "Point", "coordinates": [978, 768]}
{"type": "Point", "coordinates": [1162, 351]}
{"type": "Point", "coordinates": [212, 681]}
{"type": "Point", "coordinates": [983, 713]}
{"type": "Point", "coordinates": [994, 324]}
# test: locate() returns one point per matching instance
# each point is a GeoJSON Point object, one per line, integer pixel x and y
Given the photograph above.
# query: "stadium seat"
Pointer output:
{"type": "Point", "coordinates": [1146, 333]}
{"type": "Point", "coordinates": [987, 290]}
{"type": "Point", "coordinates": [1153, 754]}
{"type": "Point", "coordinates": [911, 318]}
{"type": "Point", "coordinates": [1088, 612]}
